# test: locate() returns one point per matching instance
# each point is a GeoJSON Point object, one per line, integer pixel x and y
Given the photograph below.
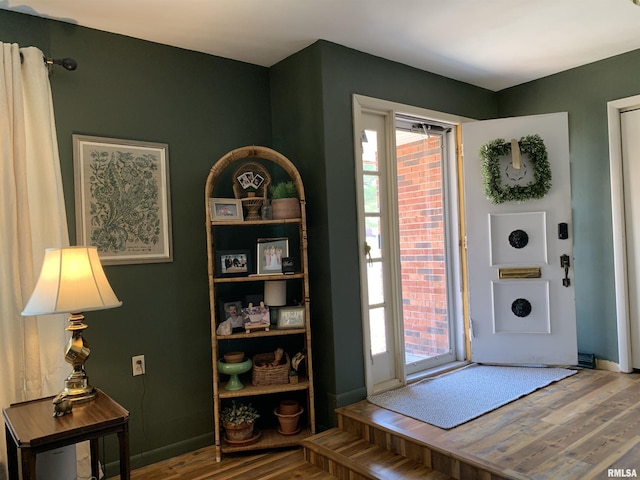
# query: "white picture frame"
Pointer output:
{"type": "Point", "coordinates": [225, 210]}
{"type": "Point", "coordinates": [122, 199]}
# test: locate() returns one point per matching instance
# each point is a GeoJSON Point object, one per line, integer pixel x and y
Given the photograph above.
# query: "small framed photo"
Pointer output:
{"type": "Point", "coordinates": [258, 180]}
{"type": "Point", "coordinates": [270, 254]}
{"type": "Point", "coordinates": [257, 314]}
{"type": "Point", "coordinates": [229, 308]}
{"type": "Point", "coordinates": [225, 209]}
{"type": "Point", "coordinates": [291, 317]}
{"type": "Point", "coordinates": [233, 263]}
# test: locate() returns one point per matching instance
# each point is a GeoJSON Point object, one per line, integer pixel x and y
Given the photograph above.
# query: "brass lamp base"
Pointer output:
{"type": "Point", "coordinates": [76, 387]}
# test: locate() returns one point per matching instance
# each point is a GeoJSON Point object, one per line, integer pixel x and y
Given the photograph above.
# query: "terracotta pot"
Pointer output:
{"type": "Point", "coordinates": [288, 423]}
{"type": "Point", "coordinates": [288, 407]}
{"type": "Point", "coordinates": [236, 433]}
{"type": "Point", "coordinates": [234, 357]}
{"type": "Point", "coordinates": [285, 208]}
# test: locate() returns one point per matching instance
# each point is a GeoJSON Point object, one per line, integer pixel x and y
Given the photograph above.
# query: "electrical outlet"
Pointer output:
{"type": "Point", "coordinates": [137, 365]}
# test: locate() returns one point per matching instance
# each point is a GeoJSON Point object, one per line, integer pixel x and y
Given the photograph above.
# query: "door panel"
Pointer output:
{"type": "Point", "coordinates": [514, 319]}
{"type": "Point", "coordinates": [382, 365]}
{"type": "Point", "coordinates": [630, 126]}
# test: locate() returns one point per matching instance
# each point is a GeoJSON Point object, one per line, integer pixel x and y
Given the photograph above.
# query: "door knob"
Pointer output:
{"type": "Point", "coordinates": [564, 263]}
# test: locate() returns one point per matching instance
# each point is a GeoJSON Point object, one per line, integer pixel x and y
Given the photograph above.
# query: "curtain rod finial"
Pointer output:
{"type": "Point", "coordinates": [67, 63]}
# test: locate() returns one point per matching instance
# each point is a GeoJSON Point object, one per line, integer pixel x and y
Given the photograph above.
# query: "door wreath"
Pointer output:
{"type": "Point", "coordinates": [494, 190]}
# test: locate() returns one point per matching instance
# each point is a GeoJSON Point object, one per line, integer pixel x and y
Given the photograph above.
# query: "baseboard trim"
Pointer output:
{"type": "Point", "coordinates": [607, 365]}
{"type": "Point", "coordinates": [163, 453]}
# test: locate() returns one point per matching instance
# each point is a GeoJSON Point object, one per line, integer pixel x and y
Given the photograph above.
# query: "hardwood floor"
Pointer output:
{"type": "Point", "coordinates": [201, 465]}
{"type": "Point", "coordinates": [575, 429]}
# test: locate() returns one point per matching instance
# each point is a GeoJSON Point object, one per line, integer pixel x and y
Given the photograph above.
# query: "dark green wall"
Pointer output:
{"type": "Point", "coordinates": [312, 120]}
{"type": "Point", "coordinates": [202, 106]}
{"type": "Point", "coordinates": [584, 93]}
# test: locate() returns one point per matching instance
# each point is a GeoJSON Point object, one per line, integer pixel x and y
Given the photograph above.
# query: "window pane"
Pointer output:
{"type": "Point", "coordinates": [370, 151]}
{"type": "Point", "coordinates": [375, 283]}
{"type": "Point", "coordinates": [422, 246]}
{"type": "Point", "coordinates": [371, 185]}
{"type": "Point", "coordinates": [378, 331]}
{"type": "Point", "coordinates": [374, 237]}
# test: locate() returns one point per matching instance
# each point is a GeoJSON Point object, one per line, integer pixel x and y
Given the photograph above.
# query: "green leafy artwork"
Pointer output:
{"type": "Point", "coordinates": [124, 200]}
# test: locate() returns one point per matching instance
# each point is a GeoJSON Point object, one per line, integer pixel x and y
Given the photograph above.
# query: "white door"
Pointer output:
{"type": "Point", "coordinates": [376, 146]}
{"type": "Point", "coordinates": [517, 319]}
{"type": "Point", "coordinates": [384, 267]}
{"type": "Point", "coordinates": [630, 126]}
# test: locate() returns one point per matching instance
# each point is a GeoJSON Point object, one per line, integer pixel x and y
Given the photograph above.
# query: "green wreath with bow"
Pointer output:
{"type": "Point", "coordinates": [494, 190]}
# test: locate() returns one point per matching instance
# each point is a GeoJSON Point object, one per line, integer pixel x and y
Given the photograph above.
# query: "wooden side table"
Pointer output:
{"type": "Point", "coordinates": [31, 428]}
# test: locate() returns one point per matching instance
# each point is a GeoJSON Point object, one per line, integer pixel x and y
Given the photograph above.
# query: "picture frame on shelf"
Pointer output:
{"type": "Point", "coordinates": [291, 317]}
{"type": "Point", "coordinates": [257, 314]}
{"type": "Point", "coordinates": [270, 252]}
{"type": "Point", "coordinates": [224, 308]}
{"type": "Point", "coordinates": [139, 172]}
{"type": "Point", "coordinates": [225, 210]}
{"type": "Point", "coordinates": [232, 317]}
{"type": "Point", "coordinates": [233, 263]}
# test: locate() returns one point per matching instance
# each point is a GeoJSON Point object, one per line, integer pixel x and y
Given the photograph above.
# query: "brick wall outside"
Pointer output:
{"type": "Point", "coordinates": [422, 248]}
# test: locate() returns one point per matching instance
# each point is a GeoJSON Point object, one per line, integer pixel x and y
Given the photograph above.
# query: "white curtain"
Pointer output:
{"type": "Point", "coordinates": [32, 218]}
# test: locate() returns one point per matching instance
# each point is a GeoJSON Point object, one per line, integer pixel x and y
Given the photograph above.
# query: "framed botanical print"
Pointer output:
{"type": "Point", "coordinates": [122, 199]}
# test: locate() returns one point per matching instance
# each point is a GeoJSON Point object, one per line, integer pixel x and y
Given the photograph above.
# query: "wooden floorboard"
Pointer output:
{"type": "Point", "coordinates": [575, 429]}
{"type": "Point", "coordinates": [201, 465]}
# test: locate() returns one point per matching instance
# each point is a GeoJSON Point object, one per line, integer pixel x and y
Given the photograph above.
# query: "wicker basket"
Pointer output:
{"type": "Point", "coordinates": [263, 375]}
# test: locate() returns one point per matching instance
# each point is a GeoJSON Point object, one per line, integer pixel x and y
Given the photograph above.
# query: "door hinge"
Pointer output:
{"type": "Point", "coordinates": [471, 335]}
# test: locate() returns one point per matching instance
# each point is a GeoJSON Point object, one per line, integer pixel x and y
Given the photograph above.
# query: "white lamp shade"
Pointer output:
{"type": "Point", "coordinates": [275, 293]}
{"type": "Point", "coordinates": [71, 281]}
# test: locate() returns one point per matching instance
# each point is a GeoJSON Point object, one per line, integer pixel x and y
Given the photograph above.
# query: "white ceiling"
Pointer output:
{"type": "Point", "coordinates": [490, 43]}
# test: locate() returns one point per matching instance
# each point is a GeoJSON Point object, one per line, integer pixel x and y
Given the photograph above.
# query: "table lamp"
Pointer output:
{"type": "Point", "coordinates": [275, 295]}
{"type": "Point", "coordinates": [72, 281]}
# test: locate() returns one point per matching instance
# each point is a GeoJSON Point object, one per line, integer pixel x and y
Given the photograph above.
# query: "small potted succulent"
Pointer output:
{"type": "Point", "coordinates": [285, 202]}
{"type": "Point", "coordinates": [293, 376]}
{"type": "Point", "coordinates": [238, 421]}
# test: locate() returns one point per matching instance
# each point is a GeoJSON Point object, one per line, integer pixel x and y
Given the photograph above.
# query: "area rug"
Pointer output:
{"type": "Point", "coordinates": [462, 395]}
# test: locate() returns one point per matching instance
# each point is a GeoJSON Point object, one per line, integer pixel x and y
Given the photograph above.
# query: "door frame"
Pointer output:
{"type": "Point", "coordinates": [363, 103]}
{"type": "Point", "coordinates": [614, 110]}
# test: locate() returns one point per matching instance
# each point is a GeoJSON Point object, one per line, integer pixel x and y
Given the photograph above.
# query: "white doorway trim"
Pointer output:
{"type": "Point", "coordinates": [363, 104]}
{"type": "Point", "coordinates": [614, 109]}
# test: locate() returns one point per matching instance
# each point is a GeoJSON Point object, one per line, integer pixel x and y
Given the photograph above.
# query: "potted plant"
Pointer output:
{"type": "Point", "coordinates": [285, 202]}
{"type": "Point", "coordinates": [238, 421]}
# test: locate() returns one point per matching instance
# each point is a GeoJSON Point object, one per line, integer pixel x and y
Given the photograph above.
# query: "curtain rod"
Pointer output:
{"type": "Point", "coordinates": [68, 63]}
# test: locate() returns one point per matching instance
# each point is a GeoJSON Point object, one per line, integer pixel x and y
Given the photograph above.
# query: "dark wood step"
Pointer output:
{"type": "Point", "coordinates": [350, 457]}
